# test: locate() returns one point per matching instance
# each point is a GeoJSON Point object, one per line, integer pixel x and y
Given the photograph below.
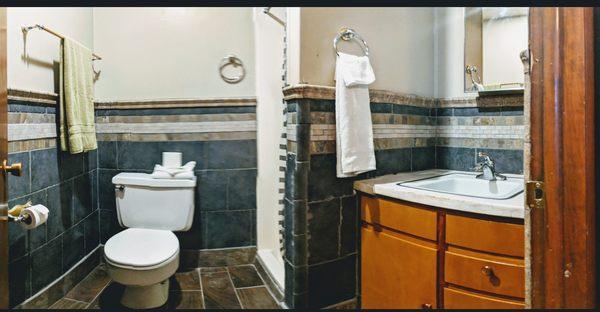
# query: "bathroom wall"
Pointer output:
{"type": "Point", "coordinates": [160, 90]}
{"type": "Point", "coordinates": [171, 53]}
{"type": "Point", "coordinates": [467, 124]}
{"type": "Point", "coordinates": [220, 136]}
{"type": "Point", "coordinates": [321, 213]}
{"type": "Point", "coordinates": [32, 62]}
{"type": "Point", "coordinates": [449, 37]}
{"type": "Point", "coordinates": [400, 40]}
{"type": "Point", "coordinates": [64, 183]}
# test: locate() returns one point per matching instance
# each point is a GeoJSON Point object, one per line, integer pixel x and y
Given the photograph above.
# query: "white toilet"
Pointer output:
{"type": "Point", "coordinates": [145, 255]}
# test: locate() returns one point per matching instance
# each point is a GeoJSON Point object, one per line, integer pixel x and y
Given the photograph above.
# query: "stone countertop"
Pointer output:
{"type": "Point", "coordinates": [513, 207]}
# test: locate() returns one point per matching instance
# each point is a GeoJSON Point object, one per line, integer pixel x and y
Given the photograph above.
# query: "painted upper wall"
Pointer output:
{"type": "Point", "coordinates": [449, 53]}
{"type": "Point", "coordinates": [400, 40]}
{"type": "Point", "coordinates": [162, 53]}
{"type": "Point", "coordinates": [32, 63]}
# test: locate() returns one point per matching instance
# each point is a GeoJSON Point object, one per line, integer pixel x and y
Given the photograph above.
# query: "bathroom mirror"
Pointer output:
{"type": "Point", "coordinates": [494, 39]}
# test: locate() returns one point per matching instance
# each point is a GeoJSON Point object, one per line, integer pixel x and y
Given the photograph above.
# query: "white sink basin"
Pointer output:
{"type": "Point", "coordinates": [468, 185]}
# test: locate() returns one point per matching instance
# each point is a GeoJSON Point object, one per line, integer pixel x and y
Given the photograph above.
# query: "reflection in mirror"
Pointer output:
{"type": "Point", "coordinates": [494, 38]}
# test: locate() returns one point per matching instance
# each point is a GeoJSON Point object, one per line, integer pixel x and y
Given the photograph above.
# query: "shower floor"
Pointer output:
{"type": "Point", "coordinates": [234, 287]}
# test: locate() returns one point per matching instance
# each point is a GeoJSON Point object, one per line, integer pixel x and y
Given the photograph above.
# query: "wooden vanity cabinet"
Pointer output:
{"type": "Point", "coordinates": [415, 256]}
{"type": "Point", "coordinates": [398, 270]}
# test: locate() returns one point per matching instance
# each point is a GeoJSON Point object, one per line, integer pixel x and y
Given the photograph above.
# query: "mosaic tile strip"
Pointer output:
{"type": "Point", "coordinates": [177, 127]}
{"type": "Point", "coordinates": [17, 132]}
{"type": "Point", "coordinates": [164, 137]}
{"type": "Point", "coordinates": [481, 121]}
{"type": "Point", "coordinates": [29, 145]}
{"type": "Point", "coordinates": [177, 103]}
{"type": "Point", "coordinates": [175, 118]}
{"type": "Point", "coordinates": [497, 132]}
{"type": "Point", "coordinates": [480, 142]}
{"type": "Point", "coordinates": [29, 118]}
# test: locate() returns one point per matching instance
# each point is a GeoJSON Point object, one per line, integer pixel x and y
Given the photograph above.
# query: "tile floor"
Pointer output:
{"type": "Point", "coordinates": [234, 287]}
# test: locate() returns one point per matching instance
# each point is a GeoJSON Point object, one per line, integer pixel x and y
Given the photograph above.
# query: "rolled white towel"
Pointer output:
{"type": "Point", "coordinates": [184, 172]}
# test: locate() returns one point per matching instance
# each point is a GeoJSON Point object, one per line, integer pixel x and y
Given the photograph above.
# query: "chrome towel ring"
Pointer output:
{"type": "Point", "coordinates": [235, 62]}
{"type": "Point", "coordinates": [348, 34]}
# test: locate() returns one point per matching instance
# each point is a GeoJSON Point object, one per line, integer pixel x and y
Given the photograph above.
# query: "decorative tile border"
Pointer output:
{"type": "Point", "coordinates": [18, 132]}
{"type": "Point", "coordinates": [29, 145]}
{"type": "Point", "coordinates": [305, 91]}
{"type": "Point", "coordinates": [177, 127]}
{"type": "Point", "coordinates": [175, 118]}
{"type": "Point", "coordinates": [177, 103]}
{"type": "Point", "coordinates": [164, 137]}
{"type": "Point", "coordinates": [32, 96]}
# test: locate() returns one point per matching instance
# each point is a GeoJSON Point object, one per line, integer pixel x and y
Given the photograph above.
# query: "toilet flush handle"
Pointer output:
{"type": "Point", "coordinates": [119, 187]}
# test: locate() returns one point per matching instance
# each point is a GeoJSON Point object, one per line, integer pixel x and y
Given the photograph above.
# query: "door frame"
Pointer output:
{"type": "Point", "coordinates": [4, 299]}
{"type": "Point", "coordinates": [563, 268]}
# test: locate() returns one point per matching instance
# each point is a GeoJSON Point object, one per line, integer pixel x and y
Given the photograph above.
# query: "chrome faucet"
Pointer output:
{"type": "Point", "coordinates": [488, 168]}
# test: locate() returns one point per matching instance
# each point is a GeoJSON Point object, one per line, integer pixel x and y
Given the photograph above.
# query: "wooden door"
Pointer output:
{"type": "Point", "coordinates": [397, 271]}
{"type": "Point", "coordinates": [3, 155]}
{"type": "Point", "coordinates": [563, 268]}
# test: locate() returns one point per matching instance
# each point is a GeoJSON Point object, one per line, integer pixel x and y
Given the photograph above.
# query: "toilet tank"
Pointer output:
{"type": "Point", "coordinates": [162, 204]}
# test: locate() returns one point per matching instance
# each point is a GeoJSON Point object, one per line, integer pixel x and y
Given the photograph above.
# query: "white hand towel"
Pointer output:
{"type": "Point", "coordinates": [356, 70]}
{"type": "Point", "coordinates": [184, 172]}
{"type": "Point", "coordinates": [354, 129]}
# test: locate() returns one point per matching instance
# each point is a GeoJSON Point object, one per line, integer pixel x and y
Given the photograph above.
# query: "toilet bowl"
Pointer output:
{"type": "Point", "coordinates": [142, 260]}
{"type": "Point", "coordinates": [145, 255]}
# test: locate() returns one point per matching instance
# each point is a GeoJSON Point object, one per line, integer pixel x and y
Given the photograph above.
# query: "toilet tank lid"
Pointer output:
{"type": "Point", "coordinates": [145, 179]}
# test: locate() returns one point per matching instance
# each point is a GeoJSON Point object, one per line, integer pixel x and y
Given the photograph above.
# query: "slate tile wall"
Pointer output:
{"type": "Point", "coordinates": [321, 211]}
{"type": "Point", "coordinates": [321, 222]}
{"type": "Point", "coordinates": [463, 156]}
{"type": "Point", "coordinates": [225, 195]}
{"type": "Point", "coordinates": [66, 184]}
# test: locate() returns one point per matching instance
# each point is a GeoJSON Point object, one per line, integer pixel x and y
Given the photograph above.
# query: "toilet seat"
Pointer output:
{"type": "Point", "coordinates": [137, 248]}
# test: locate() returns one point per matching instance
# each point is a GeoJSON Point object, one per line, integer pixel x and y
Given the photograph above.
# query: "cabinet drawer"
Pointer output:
{"type": "Point", "coordinates": [409, 218]}
{"type": "Point", "coordinates": [489, 273]}
{"type": "Point", "coordinates": [462, 299]}
{"type": "Point", "coordinates": [485, 235]}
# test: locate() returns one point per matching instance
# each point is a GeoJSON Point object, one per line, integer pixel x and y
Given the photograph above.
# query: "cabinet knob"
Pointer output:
{"type": "Point", "coordinates": [487, 270]}
{"type": "Point", "coordinates": [426, 306]}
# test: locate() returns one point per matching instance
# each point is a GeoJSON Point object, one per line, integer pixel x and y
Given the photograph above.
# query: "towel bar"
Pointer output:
{"type": "Point", "coordinates": [348, 34]}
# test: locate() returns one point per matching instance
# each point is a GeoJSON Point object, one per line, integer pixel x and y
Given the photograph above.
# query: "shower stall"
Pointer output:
{"type": "Point", "coordinates": [269, 34]}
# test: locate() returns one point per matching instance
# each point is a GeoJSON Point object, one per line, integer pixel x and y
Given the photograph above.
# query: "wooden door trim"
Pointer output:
{"type": "Point", "coordinates": [4, 295]}
{"type": "Point", "coordinates": [563, 272]}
